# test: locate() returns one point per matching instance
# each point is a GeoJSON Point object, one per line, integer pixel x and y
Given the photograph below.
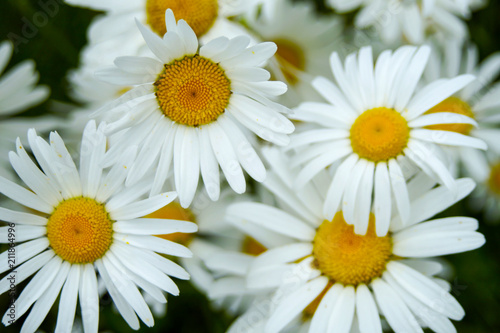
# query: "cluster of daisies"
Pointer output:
{"type": "Point", "coordinates": [288, 164]}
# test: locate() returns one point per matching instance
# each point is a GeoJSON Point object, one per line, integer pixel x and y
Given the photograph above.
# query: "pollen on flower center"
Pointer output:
{"type": "Point", "coordinates": [174, 211]}
{"type": "Point", "coordinates": [199, 14]}
{"type": "Point", "coordinates": [379, 134]}
{"type": "Point", "coordinates": [453, 105]}
{"type": "Point", "coordinates": [494, 180]}
{"type": "Point", "coordinates": [291, 58]}
{"type": "Point", "coordinates": [193, 91]}
{"type": "Point", "coordinates": [348, 258]}
{"type": "Point", "coordinates": [80, 230]}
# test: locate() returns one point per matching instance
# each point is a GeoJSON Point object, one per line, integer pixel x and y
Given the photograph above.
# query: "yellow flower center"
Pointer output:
{"type": "Point", "coordinates": [252, 247]}
{"type": "Point", "coordinates": [348, 258]}
{"type": "Point", "coordinates": [494, 180]}
{"type": "Point", "coordinates": [379, 134]}
{"type": "Point", "coordinates": [291, 58]}
{"type": "Point", "coordinates": [174, 211]}
{"type": "Point", "coordinates": [80, 230]}
{"type": "Point", "coordinates": [193, 91]}
{"type": "Point", "coordinates": [199, 14]}
{"type": "Point", "coordinates": [453, 105]}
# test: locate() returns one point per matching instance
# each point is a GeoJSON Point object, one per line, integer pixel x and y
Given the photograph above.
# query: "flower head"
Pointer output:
{"type": "Point", "coordinates": [83, 220]}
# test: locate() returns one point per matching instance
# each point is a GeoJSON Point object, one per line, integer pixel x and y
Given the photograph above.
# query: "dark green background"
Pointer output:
{"type": "Point", "coordinates": [55, 48]}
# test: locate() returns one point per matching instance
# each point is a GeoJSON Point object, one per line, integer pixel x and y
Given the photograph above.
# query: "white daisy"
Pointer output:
{"type": "Point", "coordinates": [374, 126]}
{"type": "Point", "coordinates": [189, 107]}
{"type": "Point", "coordinates": [18, 92]}
{"type": "Point", "coordinates": [326, 278]}
{"type": "Point", "coordinates": [304, 40]}
{"type": "Point", "coordinates": [480, 101]}
{"type": "Point", "coordinates": [83, 220]}
{"type": "Point", "coordinates": [208, 19]}
{"type": "Point", "coordinates": [401, 20]}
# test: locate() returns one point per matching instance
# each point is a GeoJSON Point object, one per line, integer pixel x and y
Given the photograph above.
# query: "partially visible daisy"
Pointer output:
{"type": "Point", "coordinates": [398, 21]}
{"type": "Point", "coordinates": [480, 101]}
{"type": "Point", "coordinates": [374, 126]}
{"type": "Point", "coordinates": [188, 106]}
{"type": "Point", "coordinates": [303, 49]}
{"type": "Point", "coordinates": [324, 277]}
{"type": "Point", "coordinates": [208, 18]}
{"type": "Point", "coordinates": [18, 92]}
{"type": "Point", "coordinates": [83, 220]}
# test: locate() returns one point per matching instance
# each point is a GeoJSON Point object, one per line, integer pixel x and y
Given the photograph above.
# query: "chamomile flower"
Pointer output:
{"type": "Point", "coordinates": [83, 220]}
{"type": "Point", "coordinates": [324, 277]}
{"type": "Point", "coordinates": [303, 49]}
{"type": "Point", "coordinates": [188, 106]}
{"type": "Point", "coordinates": [374, 126]}
{"type": "Point", "coordinates": [412, 20]}
{"type": "Point", "coordinates": [18, 92]}
{"type": "Point", "coordinates": [208, 19]}
{"type": "Point", "coordinates": [480, 101]}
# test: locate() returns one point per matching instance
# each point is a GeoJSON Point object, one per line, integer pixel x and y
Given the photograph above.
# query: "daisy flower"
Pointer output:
{"type": "Point", "coordinates": [208, 19]}
{"type": "Point", "coordinates": [189, 108]}
{"type": "Point", "coordinates": [324, 277]}
{"type": "Point", "coordinates": [374, 126]}
{"type": "Point", "coordinates": [83, 220]}
{"type": "Point", "coordinates": [303, 49]}
{"type": "Point", "coordinates": [18, 92]}
{"type": "Point", "coordinates": [400, 20]}
{"type": "Point", "coordinates": [480, 101]}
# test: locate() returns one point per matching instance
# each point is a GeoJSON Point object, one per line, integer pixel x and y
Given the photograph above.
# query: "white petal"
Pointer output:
{"type": "Point", "coordinates": [143, 207]}
{"type": "Point", "coordinates": [21, 233]}
{"type": "Point", "coordinates": [146, 226]}
{"type": "Point", "coordinates": [186, 164]}
{"type": "Point", "coordinates": [129, 292]}
{"type": "Point", "coordinates": [121, 303]}
{"type": "Point", "coordinates": [366, 311]}
{"type": "Point", "coordinates": [35, 288]}
{"type": "Point", "coordinates": [45, 302]}
{"type": "Point", "coordinates": [294, 303]}
{"type": "Point", "coordinates": [224, 152]}
{"type": "Point", "coordinates": [23, 252]}
{"type": "Point", "coordinates": [89, 299]}
{"type": "Point", "coordinates": [382, 199]}
{"type": "Point", "coordinates": [13, 216]}
{"type": "Point", "coordinates": [427, 291]}
{"type": "Point", "coordinates": [343, 311]}
{"type": "Point", "coordinates": [398, 184]}
{"type": "Point", "coordinates": [448, 138]}
{"type": "Point", "coordinates": [425, 99]}
{"type": "Point", "coordinates": [67, 302]}
{"type": "Point", "coordinates": [441, 118]}
{"type": "Point", "coordinates": [155, 244]}
{"type": "Point", "coordinates": [394, 309]}
{"type": "Point", "coordinates": [26, 270]}
{"type": "Point", "coordinates": [323, 313]}
{"type": "Point", "coordinates": [272, 218]}
{"type": "Point", "coordinates": [247, 156]}
{"type": "Point", "coordinates": [337, 187]}
{"type": "Point", "coordinates": [364, 201]}
{"type": "Point", "coordinates": [23, 196]}
{"type": "Point", "coordinates": [209, 166]}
